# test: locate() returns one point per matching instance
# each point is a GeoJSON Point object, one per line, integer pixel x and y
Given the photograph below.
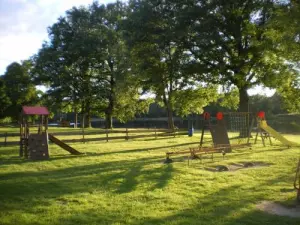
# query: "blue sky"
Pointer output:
{"type": "Point", "coordinates": [23, 28]}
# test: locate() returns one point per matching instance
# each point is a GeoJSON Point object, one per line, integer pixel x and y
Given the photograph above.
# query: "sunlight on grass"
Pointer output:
{"type": "Point", "coordinates": [126, 182]}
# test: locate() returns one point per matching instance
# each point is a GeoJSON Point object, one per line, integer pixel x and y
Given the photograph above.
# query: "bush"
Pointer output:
{"type": "Point", "coordinates": [6, 120]}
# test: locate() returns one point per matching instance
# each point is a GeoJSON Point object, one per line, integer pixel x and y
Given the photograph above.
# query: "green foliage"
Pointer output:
{"type": "Point", "coordinates": [230, 99]}
{"type": "Point", "coordinates": [128, 103]}
{"type": "Point", "coordinates": [100, 59]}
{"type": "Point", "coordinates": [64, 62]}
{"type": "Point", "coordinates": [155, 39]}
{"type": "Point", "coordinates": [290, 92]}
{"type": "Point", "coordinates": [285, 28]}
{"type": "Point", "coordinates": [21, 89]}
{"type": "Point", "coordinates": [86, 62]}
{"type": "Point", "coordinates": [4, 99]}
{"type": "Point", "coordinates": [270, 105]}
{"type": "Point", "coordinates": [193, 100]}
{"type": "Point", "coordinates": [234, 43]}
{"type": "Point", "coordinates": [6, 120]}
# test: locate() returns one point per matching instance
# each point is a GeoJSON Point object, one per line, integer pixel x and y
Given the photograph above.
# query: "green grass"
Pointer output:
{"type": "Point", "coordinates": [126, 182]}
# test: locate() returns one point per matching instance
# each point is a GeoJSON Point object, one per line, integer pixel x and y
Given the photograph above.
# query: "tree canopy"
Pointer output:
{"type": "Point", "coordinates": [19, 89]}
{"type": "Point", "coordinates": [233, 43]}
{"type": "Point", "coordinates": [155, 37]}
{"type": "Point", "coordinates": [104, 59]}
{"type": "Point", "coordinates": [87, 63]}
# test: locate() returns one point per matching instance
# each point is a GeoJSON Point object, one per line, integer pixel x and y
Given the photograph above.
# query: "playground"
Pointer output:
{"type": "Point", "coordinates": [127, 182]}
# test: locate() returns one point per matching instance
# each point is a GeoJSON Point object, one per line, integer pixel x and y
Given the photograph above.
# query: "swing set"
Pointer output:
{"type": "Point", "coordinates": [219, 141]}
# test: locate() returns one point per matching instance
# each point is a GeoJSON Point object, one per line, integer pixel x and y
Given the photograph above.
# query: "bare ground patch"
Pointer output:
{"type": "Point", "coordinates": [237, 166]}
{"type": "Point", "coordinates": [279, 210]}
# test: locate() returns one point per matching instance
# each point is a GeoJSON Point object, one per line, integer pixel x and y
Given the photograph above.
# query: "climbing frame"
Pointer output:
{"type": "Point", "coordinates": [34, 146]}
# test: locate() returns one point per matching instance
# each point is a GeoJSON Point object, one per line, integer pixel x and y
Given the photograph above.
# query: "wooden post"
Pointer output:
{"type": "Point", "coordinates": [21, 136]}
{"type": "Point", "coordinates": [46, 124]}
{"type": "Point", "coordinates": [76, 117]}
{"type": "Point", "coordinates": [262, 137]}
{"type": "Point", "coordinates": [82, 127]}
{"type": "Point", "coordinates": [106, 135]}
{"type": "Point", "coordinates": [5, 139]}
{"type": "Point", "coordinates": [26, 137]}
{"type": "Point", "coordinates": [174, 132]}
{"type": "Point", "coordinates": [83, 138]}
{"type": "Point", "coordinates": [256, 136]}
{"type": "Point", "coordinates": [250, 130]}
{"type": "Point", "coordinates": [126, 138]}
{"type": "Point", "coordinates": [40, 126]}
{"type": "Point", "coordinates": [155, 132]}
{"type": "Point", "coordinates": [270, 139]}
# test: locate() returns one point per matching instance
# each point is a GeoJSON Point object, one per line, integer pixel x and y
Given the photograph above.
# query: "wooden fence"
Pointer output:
{"type": "Point", "coordinates": [83, 135]}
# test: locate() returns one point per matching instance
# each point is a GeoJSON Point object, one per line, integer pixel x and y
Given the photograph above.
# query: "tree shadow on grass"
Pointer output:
{"type": "Point", "coordinates": [33, 190]}
{"type": "Point", "coordinates": [14, 160]}
{"type": "Point", "coordinates": [222, 205]}
{"type": "Point", "coordinates": [164, 177]}
{"type": "Point", "coordinates": [120, 176]}
{"type": "Point", "coordinates": [130, 178]}
{"type": "Point", "coordinates": [225, 206]}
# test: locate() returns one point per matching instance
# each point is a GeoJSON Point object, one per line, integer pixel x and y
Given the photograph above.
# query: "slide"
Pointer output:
{"type": "Point", "coordinates": [275, 134]}
{"type": "Point", "coordinates": [63, 145]}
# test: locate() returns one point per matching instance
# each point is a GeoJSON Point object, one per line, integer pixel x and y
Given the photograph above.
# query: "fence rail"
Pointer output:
{"type": "Point", "coordinates": [84, 136]}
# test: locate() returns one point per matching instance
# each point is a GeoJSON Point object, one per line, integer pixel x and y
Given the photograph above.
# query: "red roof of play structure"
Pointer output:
{"type": "Point", "coordinates": [35, 110]}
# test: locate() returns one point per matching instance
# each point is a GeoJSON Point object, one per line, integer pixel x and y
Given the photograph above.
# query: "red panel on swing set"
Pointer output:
{"type": "Point", "coordinates": [35, 110]}
{"type": "Point", "coordinates": [220, 116]}
{"type": "Point", "coordinates": [206, 116]}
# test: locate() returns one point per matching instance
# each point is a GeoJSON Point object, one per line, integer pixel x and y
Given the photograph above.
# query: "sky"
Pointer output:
{"type": "Point", "coordinates": [23, 28]}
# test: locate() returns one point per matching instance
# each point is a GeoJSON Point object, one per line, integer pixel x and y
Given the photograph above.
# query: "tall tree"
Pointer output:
{"type": "Point", "coordinates": [86, 61]}
{"type": "Point", "coordinates": [286, 26]}
{"type": "Point", "coordinates": [119, 92]}
{"type": "Point", "coordinates": [154, 36]}
{"type": "Point", "coordinates": [232, 43]}
{"type": "Point", "coordinates": [63, 80]}
{"type": "Point", "coordinates": [4, 99]}
{"type": "Point", "coordinates": [270, 105]}
{"type": "Point", "coordinates": [21, 89]}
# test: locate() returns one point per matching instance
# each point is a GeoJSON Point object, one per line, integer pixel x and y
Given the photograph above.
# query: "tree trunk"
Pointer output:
{"type": "Point", "coordinates": [82, 120]}
{"type": "Point", "coordinates": [87, 123]}
{"type": "Point", "coordinates": [109, 112]}
{"type": "Point", "coordinates": [111, 98]}
{"type": "Point", "coordinates": [169, 112]}
{"type": "Point", "coordinates": [76, 117]}
{"type": "Point", "coordinates": [244, 100]}
{"type": "Point", "coordinates": [170, 118]}
{"type": "Point", "coordinates": [108, 120]}
{"type": "Point", "coordinates": [88, 120]}
{"type": "Point", "coordinates": [244, 107]}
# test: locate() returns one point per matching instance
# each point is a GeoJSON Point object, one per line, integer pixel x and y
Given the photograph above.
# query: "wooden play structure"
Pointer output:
{"type": "Point", "coordinates": [35, 145]}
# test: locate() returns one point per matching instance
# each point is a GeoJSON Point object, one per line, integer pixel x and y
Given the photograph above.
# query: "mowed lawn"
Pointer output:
{"type": "Point", "coordinates": [126, 182]}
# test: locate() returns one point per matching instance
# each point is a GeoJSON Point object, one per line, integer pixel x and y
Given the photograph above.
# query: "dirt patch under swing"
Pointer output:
{"type": "Point", "coordinates": [237, 166]}
{"type": "Point", "coordinates": [279, 210]}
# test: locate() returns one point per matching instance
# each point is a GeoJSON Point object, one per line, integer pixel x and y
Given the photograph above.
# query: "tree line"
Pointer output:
{"type": "Point", "coordinates": [114, 60]}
